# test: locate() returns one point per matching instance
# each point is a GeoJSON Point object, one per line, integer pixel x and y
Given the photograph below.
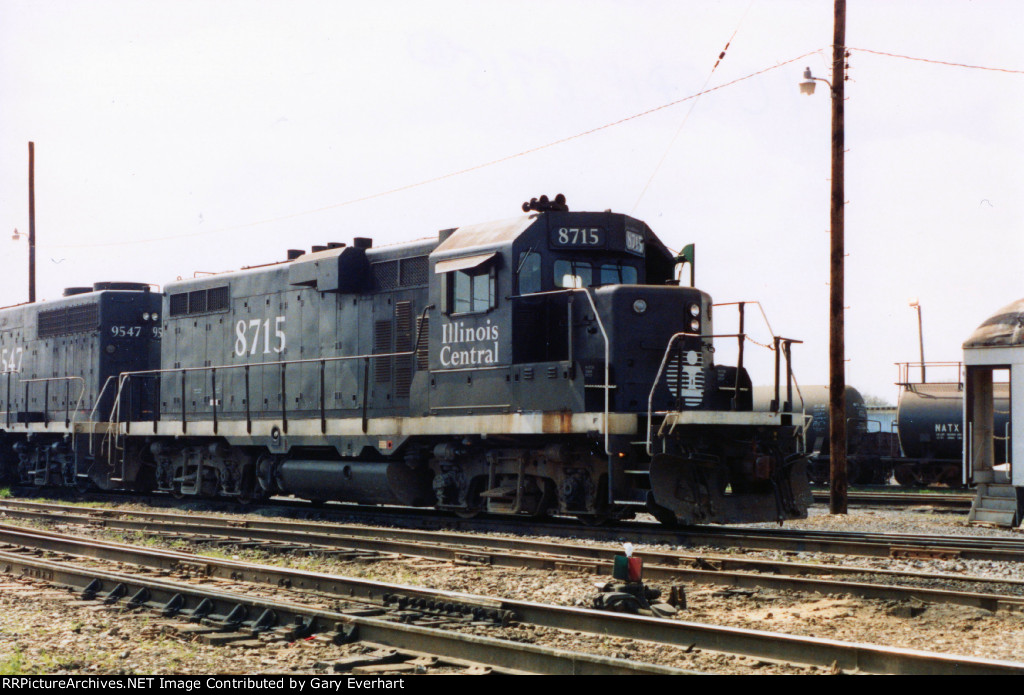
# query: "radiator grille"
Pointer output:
{"type": "Point", "coordinates": [81, 318]}
{"type": "Point", "coordinates": [413, 271]}
{"type": "Point", "coordinates": [201, 301]}
{"type": "Point", "coordinates": [385, 275]}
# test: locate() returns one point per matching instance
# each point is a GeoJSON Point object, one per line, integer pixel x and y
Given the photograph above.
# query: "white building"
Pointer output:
{"type": "Point", "coordinates": [995, 353]}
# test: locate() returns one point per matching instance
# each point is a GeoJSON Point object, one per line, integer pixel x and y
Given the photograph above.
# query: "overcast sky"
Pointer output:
{"type": "Point", "coordinates": [174, 136]}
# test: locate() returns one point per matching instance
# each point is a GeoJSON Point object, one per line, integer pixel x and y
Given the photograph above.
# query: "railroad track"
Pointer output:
{"type": "Point", "coordinates": [231, 616]}
{"type": "Point", "coordinates": [989, 548]}
{"type": "Point", "coordinates": [242, 615]}
{"type": "Point", "coordinates": [349, 542]}
{"type": "Point", "coordinates": [951, 502]}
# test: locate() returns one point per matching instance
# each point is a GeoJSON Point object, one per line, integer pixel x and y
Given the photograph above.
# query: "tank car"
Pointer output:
{"type": "Point", "coordinates": [930, 420]}
{"type": "Point", "coordinates": [869, 449]}
{"type": "Point", "coordinates": [549, 363]}
{"type": "Point", "coordinates": [60, 364]}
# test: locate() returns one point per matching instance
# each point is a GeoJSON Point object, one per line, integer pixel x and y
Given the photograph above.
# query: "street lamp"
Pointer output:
{"type": "Point", "coordinates": [914, 304]}
{"type": "Point", "coordinates": [836, 343]}
{"type": "Point", "coordinates": [807, 86]}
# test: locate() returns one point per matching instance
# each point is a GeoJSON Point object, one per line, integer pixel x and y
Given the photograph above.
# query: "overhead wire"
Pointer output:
{"type": "Point", "coordinates": [693, 106]}
{"type": "Point", "coordinates": [442, 177]}
{"type": "Point", "coordinates": [936, 62]}
{"type": "Point", "coordinates": [460, 172]}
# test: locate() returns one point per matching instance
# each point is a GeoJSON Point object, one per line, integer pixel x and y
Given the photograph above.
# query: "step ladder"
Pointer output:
{"type": "Point", "coordinates": [995, 503]}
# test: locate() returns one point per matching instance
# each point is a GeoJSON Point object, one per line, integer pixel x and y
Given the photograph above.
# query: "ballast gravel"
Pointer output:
{"type": "Point", "coordinates": [47, 631]}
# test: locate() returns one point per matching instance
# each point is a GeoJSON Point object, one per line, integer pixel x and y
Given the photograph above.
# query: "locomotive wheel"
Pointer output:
{"type": "Point", "coordinates": [467, 513]}
{"type": "Point", "coordinates": [250, 490]}
{"type": "Point", "coordinates": [83, 485]}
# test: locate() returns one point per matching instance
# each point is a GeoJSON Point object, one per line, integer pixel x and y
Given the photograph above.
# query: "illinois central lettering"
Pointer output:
{"type": "Point", "coordinates": [468, 346]}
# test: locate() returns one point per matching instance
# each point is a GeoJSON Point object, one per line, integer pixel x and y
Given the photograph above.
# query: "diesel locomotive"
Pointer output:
{"type": "Point", "coordinates": [550, 363]}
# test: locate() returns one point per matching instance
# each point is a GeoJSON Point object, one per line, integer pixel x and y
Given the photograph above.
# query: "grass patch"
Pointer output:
{"type": "Point", "coordinates": [13, 664]}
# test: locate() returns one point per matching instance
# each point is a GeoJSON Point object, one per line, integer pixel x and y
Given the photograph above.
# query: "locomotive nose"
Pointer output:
{"type": "Point", "coordinates": [643, 322]}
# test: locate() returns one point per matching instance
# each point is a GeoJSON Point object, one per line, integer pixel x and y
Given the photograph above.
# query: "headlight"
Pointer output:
{"type": "Point", "coordinates": [695, 310]}
{"type": "Point", "coordinates": [640, 306]}
{"type": "Point", "coordinates": [695, 326]}
{"type": "Point", "coordinates": [145, 316]}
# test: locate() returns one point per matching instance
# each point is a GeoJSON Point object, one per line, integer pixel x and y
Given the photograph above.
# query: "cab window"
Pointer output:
{"type": "Point", "coordinates": [573, 273]}
{"type": "Point", "coordinates": [618, 274]}
{"type": "Point", "coordinates": [529, 273]}
{"type": "Point", "coordinates": [472, 290]}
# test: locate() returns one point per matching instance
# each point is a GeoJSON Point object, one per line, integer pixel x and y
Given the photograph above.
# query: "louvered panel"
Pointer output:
{"type": "Point", "coordinates": [403, 326]}
{"type": "Point", "coordinates": [403, 376]}
{"type": "Point", "coordinates": [381, 344]}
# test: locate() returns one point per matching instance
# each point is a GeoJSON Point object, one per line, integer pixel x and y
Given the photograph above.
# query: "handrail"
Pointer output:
{"type": "Point", "coordinates": [786, 343]}
{"type": "Point", "coordinates": [281, 364]}
{"type": "Point", "coordinates": [67, 411]}
{"type": "Point", "coordinates": [657, 380]}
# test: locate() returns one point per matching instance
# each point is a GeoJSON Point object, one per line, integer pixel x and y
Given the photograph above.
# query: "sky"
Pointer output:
{"type": "Point", "coordinates": [178, 136]}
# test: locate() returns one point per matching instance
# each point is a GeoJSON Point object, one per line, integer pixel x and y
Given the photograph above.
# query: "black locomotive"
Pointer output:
{"type": "Point", "coordinates": [549, 363]}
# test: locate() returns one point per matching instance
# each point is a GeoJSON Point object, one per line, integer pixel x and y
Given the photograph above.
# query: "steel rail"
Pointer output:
{"type": "Point", "coordinates": [662, 566]}
{"type": "Point", "coordinates": [889, 542]}
{"type": "Point", "coordinates": [849, 543]}
{"type": "Point", "coordinates": [793, 649]}
{"type": "Point", "coordinates": [230, 611]}
{"type": "Point", "coordinates": [547, 555]}
{"type": "Point", "coordinates": [955, 501]}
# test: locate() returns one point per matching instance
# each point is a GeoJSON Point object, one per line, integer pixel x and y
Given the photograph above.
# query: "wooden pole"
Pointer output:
{"type": "Point", "coordinates": [837, 349]}
{"type": "Point", "coordinates": [31, 222]}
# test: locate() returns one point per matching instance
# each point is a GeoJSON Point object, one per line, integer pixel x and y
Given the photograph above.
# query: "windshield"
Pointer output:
{"type": "Point", "coordinates": [578, 273]}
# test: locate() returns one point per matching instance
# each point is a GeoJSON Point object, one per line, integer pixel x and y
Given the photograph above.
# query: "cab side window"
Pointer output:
{"type": "Point", "coordinates": [472, 290]}
{"type": "Point", "coordinates": [529, 273]}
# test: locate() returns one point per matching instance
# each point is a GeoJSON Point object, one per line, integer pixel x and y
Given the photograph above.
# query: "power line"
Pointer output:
{"type": "Point", "coordinates": [442, 177]}
{"type": "Point", "coordinates": [523, 153]}
{"type": "Point", "coordinates": [686, 118]}
{"type": "Point", "coordinates": [936, 62]}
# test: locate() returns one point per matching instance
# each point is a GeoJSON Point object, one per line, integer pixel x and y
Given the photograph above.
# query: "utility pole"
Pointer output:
{"type": "Point", "coordinates": [837, 348]}
{"type": "Point", "coordinates": [31, 222]}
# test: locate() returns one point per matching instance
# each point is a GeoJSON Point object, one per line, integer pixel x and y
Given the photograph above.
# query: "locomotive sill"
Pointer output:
{"type": "Point", "coordinates": [443, 423]}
